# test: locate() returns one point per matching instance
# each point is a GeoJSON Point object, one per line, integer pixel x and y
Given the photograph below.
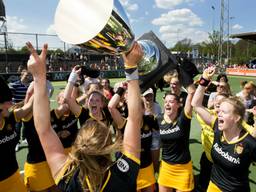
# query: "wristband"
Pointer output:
{"type": "Point", "coordinates": [204, 82]}
{"type": "Point", "coordinates": [72, 77]}
{"type": "Point", "coordinates": [131, 74]}
{"type": "Point", "coordinates": [120, 91]}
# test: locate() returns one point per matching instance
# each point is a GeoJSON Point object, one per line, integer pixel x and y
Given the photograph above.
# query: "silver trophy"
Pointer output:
{"type": "Point", "coordinates": [103, 25]}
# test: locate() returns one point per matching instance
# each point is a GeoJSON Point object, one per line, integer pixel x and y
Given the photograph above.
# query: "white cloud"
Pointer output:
{"type": "Point", "coordinates": [237, 27]}
{"type": "Point", "coordinates": [15, 24]}
{"type": "Point", "coordinates": [180, 24]}
{"type": "Point", "coordinates": [167, 4]}
{"type": "Point", "coordinates": [129, 6]}
{"type": "Point", "coordinates": [51, 30]}
{"type": "Point", "coordinates": [178, 16]}
{"type": "Point", "coordinates": [170, 4]}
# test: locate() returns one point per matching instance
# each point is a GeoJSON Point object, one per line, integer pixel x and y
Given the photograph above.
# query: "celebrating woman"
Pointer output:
{"type": "Point", "coordinates": [89, 166]}
{"type": "Point", "coordinates": [233, 148]}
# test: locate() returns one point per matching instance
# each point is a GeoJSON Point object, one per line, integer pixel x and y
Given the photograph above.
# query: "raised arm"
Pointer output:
{"type": "Point", "coordinates": [132, 129]}
{"type": "Point", "coordinates": [188, 107]}
{"type": "Point", "coordinates": [112, 107]}
{"type": "Point", "coordinates": [197, 101]}
{"type": "Point", "coordinates": [73, 105]}
{"type": "Point", "coordinates": [50, 142]}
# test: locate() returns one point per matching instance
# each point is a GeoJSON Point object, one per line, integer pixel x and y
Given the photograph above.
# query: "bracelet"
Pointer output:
{"type": "Point", "coordinates": [120, 91]}
{"type": "Point", "coordinates": [204, 82]}
{"type": "Point", "coordinates": [131, 74]}
{"type": "Point", "coordinates": [72, 77]}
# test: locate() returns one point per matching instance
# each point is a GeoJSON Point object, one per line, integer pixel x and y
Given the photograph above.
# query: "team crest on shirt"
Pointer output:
{"type": "Point", "coordinates": [9, 127]}
{"type": "Point", "coordinates": [122, 165]}
{"type": "Point", "coordinates": [239, 148]}
{"type": "Point", "coordinates": [163, 122]}
{"type": "Point", "coordinates": [145, 128]}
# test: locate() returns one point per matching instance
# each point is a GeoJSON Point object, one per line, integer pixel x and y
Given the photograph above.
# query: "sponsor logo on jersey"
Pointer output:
{"type": "Point", "coordinates": [169, 131]}
{"type": "Point", "coordinates": [226, 155]}
{"type": "Point", "coordinates": [8, 138]}
{"type": "Point", "coordinates": [122, 165]}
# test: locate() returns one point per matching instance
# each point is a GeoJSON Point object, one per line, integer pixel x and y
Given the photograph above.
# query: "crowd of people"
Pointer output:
{"type": "Point", "coordinates": [103, 138]}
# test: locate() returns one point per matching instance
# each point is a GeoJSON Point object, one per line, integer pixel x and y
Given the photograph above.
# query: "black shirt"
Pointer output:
{"type": "Point", "coordinates": [66, 123]}
{"type": "Point", "coordinates": [120, 177]}
{"type": "Point", "coordinates": [231, 161]}
{"type": "Point", "coordinates": [8, 141]}
{"type": "Point", "coordinates": [35, 150]}
{"type": "Point", "coordinates": [175, 139]}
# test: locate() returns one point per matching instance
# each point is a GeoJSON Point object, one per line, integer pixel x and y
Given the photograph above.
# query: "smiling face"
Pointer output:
{"type": "Point", "coordinates": [95, 102]}
{"type": "Point", "coordinates": [175, 85]}
{"type": "Point", "coordinates": [171, 104]}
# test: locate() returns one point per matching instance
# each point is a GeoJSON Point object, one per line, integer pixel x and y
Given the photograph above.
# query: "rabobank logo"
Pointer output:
{"type": "Point", "coordinates": [122, 165]}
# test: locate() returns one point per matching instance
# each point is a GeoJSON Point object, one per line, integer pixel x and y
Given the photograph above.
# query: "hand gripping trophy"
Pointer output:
{"type": "Point", "coordinates": [103, 26]}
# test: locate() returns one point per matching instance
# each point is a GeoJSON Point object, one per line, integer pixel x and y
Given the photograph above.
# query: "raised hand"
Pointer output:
{"type": "Point", "coordinates": [77, 69]}
{"type": "Point", "coordinates": [37, 63]}
{"type": "Point", "coordinates": [209, 72]}
{"type": "Point", "coordinates": [133, 57]}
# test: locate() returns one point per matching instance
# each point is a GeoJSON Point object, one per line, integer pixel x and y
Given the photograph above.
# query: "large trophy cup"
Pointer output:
{"type": "Point", "coordinates": [102, 25]}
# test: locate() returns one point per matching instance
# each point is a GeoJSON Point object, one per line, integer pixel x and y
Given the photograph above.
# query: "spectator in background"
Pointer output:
{"type": "Point", "coordinates": [151, 107]}
{"type": "Point", "coordinates": [19, 89]}
{"type": "Point", "coordinates": [107, 89]}
{"type": "Point", "coordinates": [49, 86]}
{"type": "Point", "coordinates": [222, 86]}
{"type": "Point", "coordinates": [247, 97]}
{"type": "Point", "coordinates": [175, 86]}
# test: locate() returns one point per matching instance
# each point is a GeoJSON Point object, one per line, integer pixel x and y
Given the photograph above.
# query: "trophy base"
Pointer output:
{"type": "Point", "coordinates": [167, 62]}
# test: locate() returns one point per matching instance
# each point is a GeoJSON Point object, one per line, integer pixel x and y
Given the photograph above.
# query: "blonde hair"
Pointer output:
{"type": "Point", "coordinates": [168, 77]}
{"type": "Point", "coordinates": [239, 108]}
{"type": "Point", "coordinates": [91, 152]}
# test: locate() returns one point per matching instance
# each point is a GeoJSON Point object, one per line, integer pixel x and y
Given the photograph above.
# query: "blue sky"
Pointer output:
{"type": "Point", "coordinates": [171, 20]}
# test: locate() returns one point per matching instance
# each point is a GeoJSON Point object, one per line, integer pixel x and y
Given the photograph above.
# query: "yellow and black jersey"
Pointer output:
{"type": "Point", "coordinates": [35, 150]}
{"type": "Point", "coordinates": [66, 128]}
{"type": "Point", "coordinates": [231, 161]}
{"type": "Point", "coordinates": [175, 139]}
{"type": "Point", "coordinates": [8, 141]}
{"type": "Point", "coordinates": [85, 115]}
{"type": "Point", "coordinates": [207, 134]}
{"type": "Point", "coordinates": [149, 125]}
{"type": "Point", "coordinates": [120, 177]}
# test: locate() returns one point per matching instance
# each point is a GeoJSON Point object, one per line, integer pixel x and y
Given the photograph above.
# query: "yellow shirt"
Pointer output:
{"type": "Point", "coordinates": [207, 134]}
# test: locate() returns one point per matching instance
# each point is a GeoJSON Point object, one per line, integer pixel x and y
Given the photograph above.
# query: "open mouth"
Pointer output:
{"type": "Point", "coordinates": [220, 121]}
{"type": "Point", "coordinates": [94, 109]}
{"type": "Point", "coordinates": [168, 109]}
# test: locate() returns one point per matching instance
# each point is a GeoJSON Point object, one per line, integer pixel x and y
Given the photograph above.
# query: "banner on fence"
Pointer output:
{"type": "Point", "coordinates": [242, 72]}
{"type": "Point", "coordinates": [63, 76]}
